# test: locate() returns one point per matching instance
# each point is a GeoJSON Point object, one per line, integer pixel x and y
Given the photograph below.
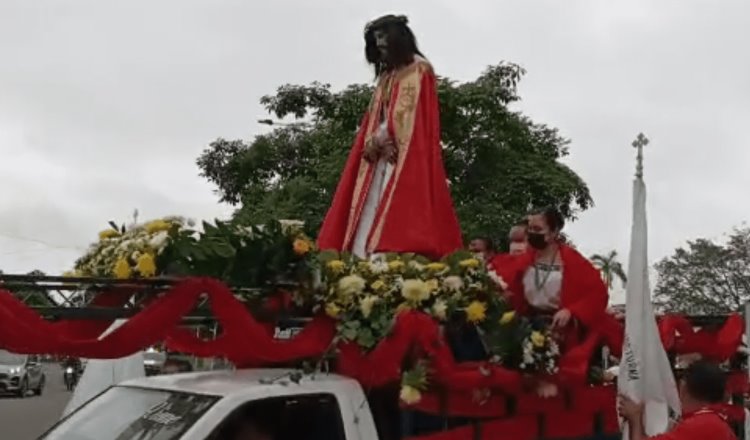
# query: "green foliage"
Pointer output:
{"type": "Point", "coordinates": [610, 268]}
{"type": "Point", "coordinates": [499, 162]}
{"type": "Point", "coordinates": [247, 256]}
{"type": "Point", "coordinates": [706, 277]}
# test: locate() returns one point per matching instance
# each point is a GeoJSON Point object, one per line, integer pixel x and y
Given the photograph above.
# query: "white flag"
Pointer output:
{"type": "Point", "coordinates": [645, 372]}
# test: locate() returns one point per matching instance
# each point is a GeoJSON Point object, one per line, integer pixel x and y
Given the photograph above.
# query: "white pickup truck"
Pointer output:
{"type": "Point", "coordinates": [269, 404]}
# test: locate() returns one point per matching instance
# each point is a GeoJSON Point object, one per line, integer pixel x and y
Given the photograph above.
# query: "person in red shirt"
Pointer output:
{"type": "Point", "coordinates": [702, 394]}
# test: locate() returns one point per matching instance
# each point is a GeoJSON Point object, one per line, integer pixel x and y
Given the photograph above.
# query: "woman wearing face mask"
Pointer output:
{"type": "Point", "coordinates": [552, 278]}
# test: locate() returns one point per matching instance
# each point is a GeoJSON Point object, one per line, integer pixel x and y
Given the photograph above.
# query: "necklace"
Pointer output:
{"type": "Point", "coordinates": [539, 284]}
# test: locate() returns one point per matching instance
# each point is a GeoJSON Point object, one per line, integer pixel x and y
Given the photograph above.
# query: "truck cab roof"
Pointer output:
{"type": "Point", "coordinates": [245, 383]}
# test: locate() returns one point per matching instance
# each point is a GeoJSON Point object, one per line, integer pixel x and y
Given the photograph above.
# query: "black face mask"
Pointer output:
{"type": "Point", "coordinates": [536, 240]}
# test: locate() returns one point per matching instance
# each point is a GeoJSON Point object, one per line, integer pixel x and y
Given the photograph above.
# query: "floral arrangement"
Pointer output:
{"type": "Point", "coordinates": [129, 252]}
{"type": "Point", "coordinates": [249, 256]}
{"type": "Point", "coordinates": [365, 295]}
{"type": "Point", "coordinates": [413, 383]}
{"type": "Point", "coordinates": [530, 344]}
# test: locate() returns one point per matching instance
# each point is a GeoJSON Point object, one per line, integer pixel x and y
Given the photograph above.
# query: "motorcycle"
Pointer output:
{"type": "Point", "coordinates": [70, 376]}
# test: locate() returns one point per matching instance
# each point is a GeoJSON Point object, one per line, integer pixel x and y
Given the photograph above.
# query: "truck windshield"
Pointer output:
{"type": "Point", "coordinates": [124, 413]}
{"type": "Point", "coordinates": [8, 358]}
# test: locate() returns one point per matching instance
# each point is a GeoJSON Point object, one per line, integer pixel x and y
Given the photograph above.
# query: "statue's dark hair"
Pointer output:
{"type": "Point", "coordinates": [402, 44]}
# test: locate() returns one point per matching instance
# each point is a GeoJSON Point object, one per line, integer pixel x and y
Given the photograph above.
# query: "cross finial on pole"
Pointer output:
{"type": "Point", "coordinates": [639, 142]}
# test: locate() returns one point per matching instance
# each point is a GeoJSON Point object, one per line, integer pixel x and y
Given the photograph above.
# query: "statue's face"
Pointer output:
{"type": "Point", "coordinates": [381, 41]}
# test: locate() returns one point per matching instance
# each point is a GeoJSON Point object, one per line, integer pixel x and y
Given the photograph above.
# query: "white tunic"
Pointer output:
{"type": "Point", "coordinates": [545, 296]}
{"type": "Point", "coordinates": [381, 175]}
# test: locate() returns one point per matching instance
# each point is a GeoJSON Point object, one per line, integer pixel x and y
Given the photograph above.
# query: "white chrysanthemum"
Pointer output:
{"type": "Point", "coordinates": [453, 283]}
{"type": "Point", "coordinates": [351, 285]}
{"type": "Point", "coordinates": [159, 240]}
{"type": "Point", "coordinates": [379, 267]}
{"type": "Point", "coordinates": [367, 304]}
{"type": "Point", "coordinates": [410, 395]}
{"type": "Point", "coordinates": [415, 290]}
{"type": "Point", "coordinates": [440, 310]}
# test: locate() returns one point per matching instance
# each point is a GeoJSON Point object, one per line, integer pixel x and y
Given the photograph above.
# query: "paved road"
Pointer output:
{"type": "Point", "coordinates": [26, 419]}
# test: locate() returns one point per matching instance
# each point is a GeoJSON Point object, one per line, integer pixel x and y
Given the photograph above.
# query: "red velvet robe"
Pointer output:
{"type": "Point", "coordinates": [416, 212]}
{"type": "Point", "coordinates": [583, 292]}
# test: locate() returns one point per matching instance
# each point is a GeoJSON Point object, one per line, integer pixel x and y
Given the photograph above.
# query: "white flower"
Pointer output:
{"type": "Point", "coordinates": [416, 265]}
{"type": "Point", "coordinates": [367, 303]}
{"type": "Point", "coordinates": [440, 309]}
{"type": "Point", "coordinates": [454, 283]}
{"type": "Point", "coordinates": [159, 240]}
{"type": "Point", "coordinates": [415, 290]}
{"type": "Point", "coordinates": [378, 267]}
{"type": "Point", "coordinates": [351, 285]}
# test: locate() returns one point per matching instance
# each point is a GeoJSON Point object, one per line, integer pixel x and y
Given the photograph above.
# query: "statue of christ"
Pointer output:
{"type": "Point", "coordinates": [393, 195]}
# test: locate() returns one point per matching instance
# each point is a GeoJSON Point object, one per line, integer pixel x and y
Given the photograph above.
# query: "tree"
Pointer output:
{"type": "Point", "coordinates": [610, 268]}
{"type": "Point", "coordinates": [706, 277]}
{"type": "Point", "coordinates": [498, 161]}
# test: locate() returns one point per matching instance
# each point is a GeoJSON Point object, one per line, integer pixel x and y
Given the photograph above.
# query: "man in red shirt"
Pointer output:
{"type": "Point", "coordinates": [701, 393]}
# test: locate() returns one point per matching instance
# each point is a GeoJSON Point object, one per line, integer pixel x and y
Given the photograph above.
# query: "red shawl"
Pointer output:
{"type": "Point", "coordinates": [583, 292]}
{"type": "Point", "coordinates": [416, 212]}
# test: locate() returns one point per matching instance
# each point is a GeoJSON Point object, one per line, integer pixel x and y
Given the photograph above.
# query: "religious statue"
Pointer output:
{"type": "Point", "coordinates": [393, 195]}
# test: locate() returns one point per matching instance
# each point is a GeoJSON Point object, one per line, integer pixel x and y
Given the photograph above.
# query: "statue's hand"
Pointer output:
{"type": "Point", "coordinates": [390, 151]}
{"type": "Point", "coordinates": [371, 152]}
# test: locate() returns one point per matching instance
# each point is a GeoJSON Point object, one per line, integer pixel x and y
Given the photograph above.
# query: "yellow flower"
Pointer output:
{"type": "Point", "coordinates": [436, 267]}
{"type": "Point", "coordinates": [333, 310]}
{"type": "Point", "coordinates": [302, 246]}
{"type": "Point", "coordinates": [351, 285]}
{"type": "Point", "coordinates": [440, 310]}
{"type": "Point", "coordinates": [71, 273]}
{"type": "Point", "coordinates": [396, 265]}
{"type": "Point", "coordinates": [121, 269]}
{"type": "Point", "coordinates": [410, 395]}
{"type": "Point", "coordinates": [476, 311]}
{"type": "Point", "coordinates": [433, 284]}
{"type": "Point", "coordinates": [108, 233]}
{"type": "Point", "coordinates": [336, 266]}
{"type": "Point", "coordinates": [404, 306]}
{"type": "Point", "coordinates": [155, 226]}
{"type": "Point", "coordinates": [507, 317]}
{"type": "Point", "coordinates": [146, 265]}
{"type": "Point", "coordinates": [415, 290]}
{"type": "Point", "coordinates": [470, 263]}
{"type": "Point", "coordinates": [538, 339]}
{"type": "Point", "coordinates": [378, 285]}
{"type": "Point", "coordinates": [366, 305]}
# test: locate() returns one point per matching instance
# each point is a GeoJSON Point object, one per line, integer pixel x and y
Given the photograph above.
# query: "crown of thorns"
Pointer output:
{"type": "Point", "coordinates": [385, 20]}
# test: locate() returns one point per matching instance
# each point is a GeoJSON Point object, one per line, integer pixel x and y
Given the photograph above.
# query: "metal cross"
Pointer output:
{"type": "Point", "coordinates": [639, 142]}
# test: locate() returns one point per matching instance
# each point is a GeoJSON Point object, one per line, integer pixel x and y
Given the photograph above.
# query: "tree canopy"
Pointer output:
{"type": "Point", "coordinates": [499, 162]}
{"type": "Point", "coordinates": [706, 277]}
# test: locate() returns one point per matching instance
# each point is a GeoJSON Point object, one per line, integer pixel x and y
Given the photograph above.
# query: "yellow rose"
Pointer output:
{"type": "Point", "coordinates": [108, 233]}
{"type": "Point", "coordinates": [470, 263]}
{"type": "Point", "coordinates": [436, 267]}
{"type": "Point", "coordinates": [302, 246]}
{"type": "Point", "coordinates": [476, 311]}
{"type": "Point", "coordinates": [378, 285]}
{"type": "Point", "coordinates": [433, 284]}
{"type": "Point", "coordinates": [155, 226]}
{"type": "Point", "coordinates": [507, 317]}
{"type": "Point", "coordinates": [336, 266]}
{"type": "Point", "coordinates": [146, 265]}
{"type": "Point", "coordinates": [410, 395]}
{"type": "Point", "coordinates": [396, 265]}
{"type": "Point", "coordinates": [367, 304]}
{"type": "Point", "coordinates": [122, 269]}
{"type": "Point", "coordinates": [440, 310]}
{"type": "Point", "coordinates": [415, 290]}
{"type": "Point", "coordinates": [351, 285]}
{"type": "Point", "coordinates": [538, 339]}
{"type": "Point", "coordinates": [333, 310]}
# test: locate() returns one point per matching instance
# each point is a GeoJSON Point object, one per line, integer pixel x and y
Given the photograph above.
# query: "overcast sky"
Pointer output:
{"type": "Point", "coordinates": [105, 105]}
